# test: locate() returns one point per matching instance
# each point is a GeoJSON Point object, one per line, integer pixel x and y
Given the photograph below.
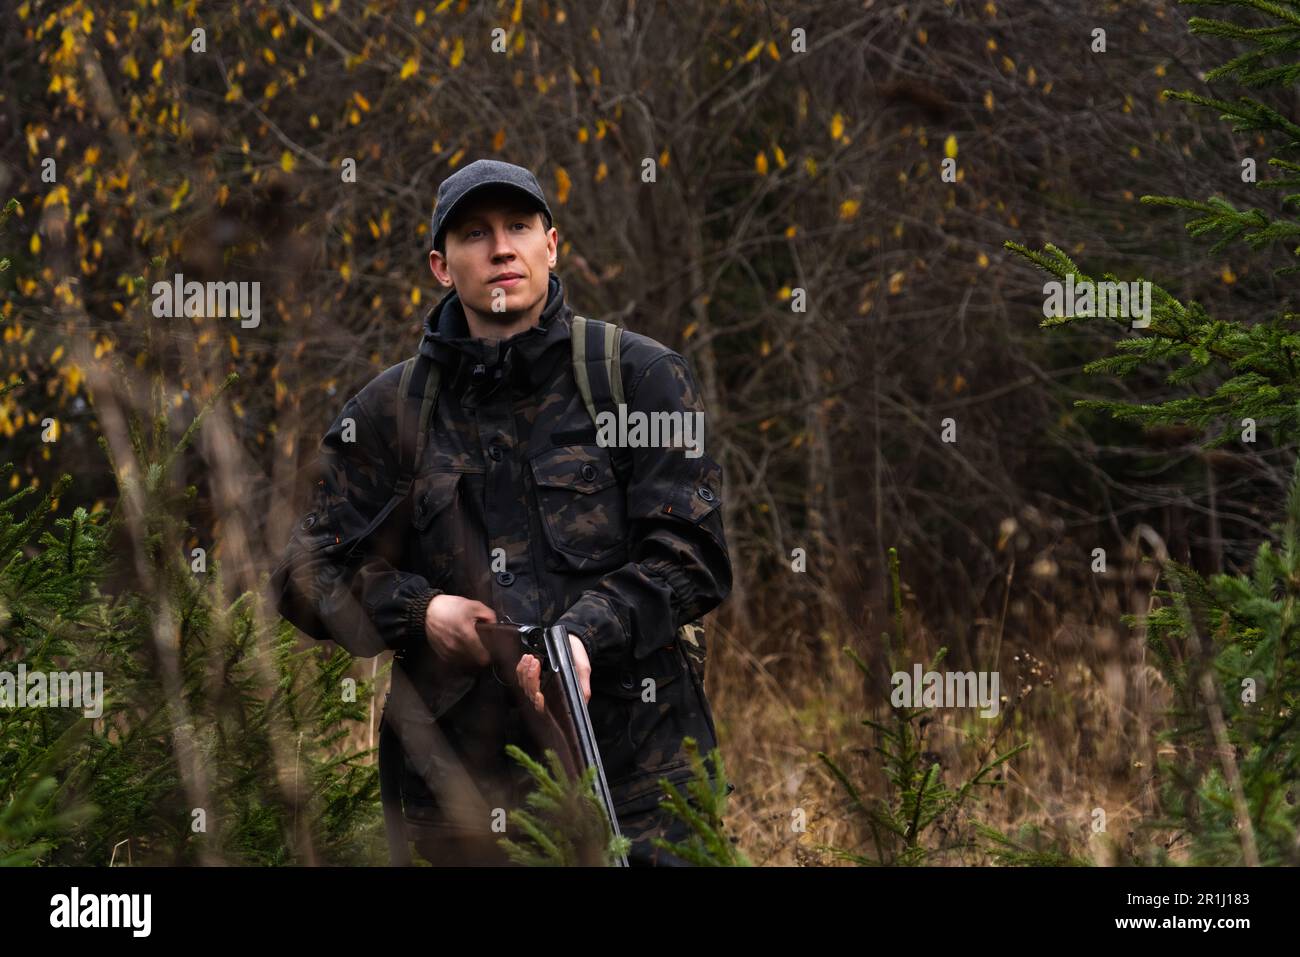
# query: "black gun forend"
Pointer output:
{"type": "Point", "coordinates": [564, 725]}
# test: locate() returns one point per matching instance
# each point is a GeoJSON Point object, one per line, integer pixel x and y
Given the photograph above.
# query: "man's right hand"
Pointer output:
{"type": "Point", "coordinates": [449, 627]}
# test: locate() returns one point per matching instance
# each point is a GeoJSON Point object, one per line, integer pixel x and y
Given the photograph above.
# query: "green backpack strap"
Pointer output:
{"type": "Point", "coordinates": [598, 372]}
{"type": "Point", "coordinates": [424, 373]}
{"type": "Point", "coordinates": [416, 390]}
{"type": "Point", "coordinates": [597, 347]}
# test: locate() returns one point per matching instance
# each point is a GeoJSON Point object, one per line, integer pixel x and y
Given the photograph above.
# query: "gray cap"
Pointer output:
{"type": "Point", "coordinates": [476, 176]}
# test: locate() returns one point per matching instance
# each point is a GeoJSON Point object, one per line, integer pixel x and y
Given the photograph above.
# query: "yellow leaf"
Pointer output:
{"type": "Point", "coordinates": [317, 9]}
{"type": "Point", "coordinates": [988, 100]}
{"type": "Point", "coordinates": [837, 126]}
{"type": "Point", "coordinates": [849, 208]}
{"type": "Point", "coordinates": [950, 147]}
{"type": "Point", "coordinates": [457, 53]}
{"type": "Point", "coordinates": [56, 355]}
{"type": "Point", "coordinates": [178, 196]}
{"type": "Point", "coordinates": [286, 161]}
{"type": "Point", "coordinates": [415, 295]}
{"type": "Point", "coordinates": [499, 140]}
{"type": "Point", "coordinates": [983, 261]}
{"type": "Point", "coordinates": [760, 163]}
{"type": "Point", "coordinates": [419, 17]}
{"type": "Point", "coordinates": [156, 72]}
{"type": "Point", "coordinates": [346, 271]}
{"type": "Point", "coordinates": [765, 349]}
{"type": "Point", "coordinates": [130, 67]}
{"type": "Point", "coordinates": [35, 244]}
{"type": "Point", "coordinates": [517, 13]}
{"type": "Point", "coordinates": [896, 283]}
{"type": "Point", "coordinates": [790, 231]}
{"type": "Point", "coordinates": [752, 53]}
{"type": "Point", "coordinates": [690, 330]}
{"type": "Point", "coordinates": [234, 346]}
{"type": "Point", "coordinates": [1228, 276]}
{"type": "Point", "coordinates": [562, 185]}
{"type": "Point", "coordinates": [361, 101]}
{"type": "Point", "coordinates": [780, 156]}
{"type": "Point", "coordinates": [409, 68]}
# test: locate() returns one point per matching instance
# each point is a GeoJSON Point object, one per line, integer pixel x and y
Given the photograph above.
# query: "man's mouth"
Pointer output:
{"type": "Point", "coordinates": [506, 279]}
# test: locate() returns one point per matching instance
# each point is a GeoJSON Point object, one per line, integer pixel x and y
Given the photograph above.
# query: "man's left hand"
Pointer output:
{"type": "Point", "coordinates": [529, 674]}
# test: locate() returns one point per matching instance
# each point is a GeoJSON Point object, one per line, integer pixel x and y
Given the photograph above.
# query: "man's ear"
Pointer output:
{"type": "Point", "coordinates": [438, 266]}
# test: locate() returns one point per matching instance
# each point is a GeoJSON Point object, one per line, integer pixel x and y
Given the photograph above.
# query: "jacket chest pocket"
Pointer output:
{"type": "Point", "coordinates": [582, 506]}
{"type": "Point", "coordinates": [435, 502]}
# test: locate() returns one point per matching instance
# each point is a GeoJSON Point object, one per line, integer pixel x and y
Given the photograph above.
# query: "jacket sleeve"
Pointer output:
{"type": "Point", "coordinates": [679, 569]}
{"type": "Point", "coordinates": [360, 600]}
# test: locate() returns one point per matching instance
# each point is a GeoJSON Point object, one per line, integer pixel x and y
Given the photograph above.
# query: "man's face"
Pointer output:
{"type": "Point", "coordinates": [498, 255]}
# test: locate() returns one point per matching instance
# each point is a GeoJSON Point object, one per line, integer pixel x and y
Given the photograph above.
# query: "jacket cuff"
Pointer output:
{"type": "Point", "coordinates": [416, 610]}
{"type": "Point", "coordinates": [593, 621]}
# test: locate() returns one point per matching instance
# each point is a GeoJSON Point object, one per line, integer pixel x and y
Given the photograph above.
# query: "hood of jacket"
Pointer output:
{"type": "Point", "coordinates": [523, 362]}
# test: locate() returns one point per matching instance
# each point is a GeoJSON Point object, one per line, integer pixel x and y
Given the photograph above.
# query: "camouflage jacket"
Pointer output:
{"type": "Point", "coordinates": [515, 504]}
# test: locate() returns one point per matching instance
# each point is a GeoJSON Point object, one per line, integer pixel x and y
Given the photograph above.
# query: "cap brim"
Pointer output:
{"type": "Point", "coordinates": [478, 188]}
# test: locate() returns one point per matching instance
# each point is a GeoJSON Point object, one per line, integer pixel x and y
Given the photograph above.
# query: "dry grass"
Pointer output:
{"type": "Point", "coordinates": [1076, 687]}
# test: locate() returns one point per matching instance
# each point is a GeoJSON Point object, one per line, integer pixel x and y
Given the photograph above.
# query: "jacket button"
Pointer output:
{"type": "Point", "coordinates": [309, 521]}
{"type": "Point", "coordinates": [589, 472]}
{"type": "Point", "coordinates": [505, 579]}
{"type": "Point", "coordinates": [495, 452]}
{"type": "Point", "coordinates": [705, 493]}
{"type": "Point", "coordinates": [627, 681]}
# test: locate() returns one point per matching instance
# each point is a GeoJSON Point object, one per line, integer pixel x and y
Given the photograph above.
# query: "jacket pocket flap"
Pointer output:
{"type": "Point", "coordinates": [627, 678]}
{"type": "Point", "coordinates": [575, 468]}
{"type": "Point", "coordinates": [430, 494]}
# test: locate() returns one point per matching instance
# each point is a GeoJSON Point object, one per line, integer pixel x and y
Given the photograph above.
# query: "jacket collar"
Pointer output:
{"type": "Point", "coordinates": [527, 359]}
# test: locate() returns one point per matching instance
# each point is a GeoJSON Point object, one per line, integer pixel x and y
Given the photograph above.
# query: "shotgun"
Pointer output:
{"type": "Point", "coordinates": [565, 725]}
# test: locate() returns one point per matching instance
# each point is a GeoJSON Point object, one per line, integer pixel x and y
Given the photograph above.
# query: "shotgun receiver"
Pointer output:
{"type": "Point", "coordinates": [565, 725]}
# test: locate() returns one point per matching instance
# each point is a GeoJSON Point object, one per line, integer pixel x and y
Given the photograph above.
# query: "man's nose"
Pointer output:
{"type": "Point", "coordinates": [501, 245]}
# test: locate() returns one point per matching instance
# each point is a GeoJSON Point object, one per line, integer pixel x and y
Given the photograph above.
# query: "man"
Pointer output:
{"type": "Point", "coordinates": [516, 511]}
